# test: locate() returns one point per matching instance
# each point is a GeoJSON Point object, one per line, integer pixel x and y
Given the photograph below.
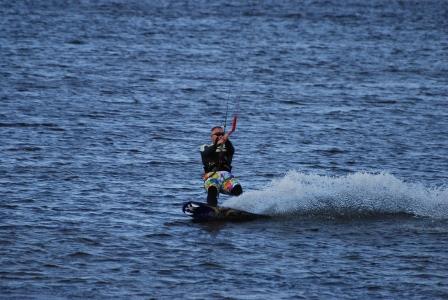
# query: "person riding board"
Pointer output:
{"type": "Point", "coordinates": [217, 161]}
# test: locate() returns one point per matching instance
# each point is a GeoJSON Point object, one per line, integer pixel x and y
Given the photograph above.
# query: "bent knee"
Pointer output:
{"type": "Point", "coordinates": [237, 190]}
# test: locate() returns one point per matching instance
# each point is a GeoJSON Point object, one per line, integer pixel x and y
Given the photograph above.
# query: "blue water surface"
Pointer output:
{"type": "Point", "coordinates": [342, 139]}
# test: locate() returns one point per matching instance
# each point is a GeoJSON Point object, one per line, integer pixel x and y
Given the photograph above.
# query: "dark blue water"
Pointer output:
{"type": "Point", "coordinates": [342, 139]}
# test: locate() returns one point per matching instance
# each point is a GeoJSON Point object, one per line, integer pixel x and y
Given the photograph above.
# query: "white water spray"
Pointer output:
{"type": "Point", "coordinates": [356, 194]}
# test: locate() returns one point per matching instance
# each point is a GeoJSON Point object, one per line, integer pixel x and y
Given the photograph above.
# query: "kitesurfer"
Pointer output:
{"type": "Point", "coordinates": [217, 161]}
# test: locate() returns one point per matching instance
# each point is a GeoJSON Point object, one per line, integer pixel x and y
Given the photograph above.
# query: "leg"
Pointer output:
{"type": "Point", "coordinates": [212, 185]}
{"type": "Point", "coordinates": [231, 185]}
{"type": "Point", "coordinates": [237, 190]}
{"type": "Point", "coordinates": [212, 196]}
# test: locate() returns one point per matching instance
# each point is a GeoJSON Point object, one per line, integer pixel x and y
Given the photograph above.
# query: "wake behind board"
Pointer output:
{"type": "Point", "coordinates": [201, 212]}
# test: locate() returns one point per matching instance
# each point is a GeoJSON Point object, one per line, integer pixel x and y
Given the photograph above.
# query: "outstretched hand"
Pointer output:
{"type": "Point", "coordinates": [223, 139]}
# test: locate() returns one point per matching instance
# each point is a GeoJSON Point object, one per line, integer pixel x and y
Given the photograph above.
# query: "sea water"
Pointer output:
{"type": "Point", "coordinates": [342, 140]}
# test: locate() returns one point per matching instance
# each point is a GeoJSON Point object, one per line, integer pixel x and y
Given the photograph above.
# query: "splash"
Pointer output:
{"type": "Point", "coordinates": [357, 194]}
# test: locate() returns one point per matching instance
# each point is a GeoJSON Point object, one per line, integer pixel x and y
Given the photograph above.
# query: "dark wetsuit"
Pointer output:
{"type": "Point", "coordinates": [217, 157]}
{"type": "Point", "coordinates": [217, 161]}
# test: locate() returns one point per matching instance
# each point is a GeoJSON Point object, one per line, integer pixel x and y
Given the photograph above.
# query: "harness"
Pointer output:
{"type": "Point", "coordinates": [221, 164]}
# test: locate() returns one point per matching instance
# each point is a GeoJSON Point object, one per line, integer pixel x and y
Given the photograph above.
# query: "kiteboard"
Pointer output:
{"type": "Point", "coordinates": [201, 212]}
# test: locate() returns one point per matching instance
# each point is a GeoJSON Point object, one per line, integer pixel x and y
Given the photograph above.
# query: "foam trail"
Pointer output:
{"type": "Point", "coordinates": [356, 194]}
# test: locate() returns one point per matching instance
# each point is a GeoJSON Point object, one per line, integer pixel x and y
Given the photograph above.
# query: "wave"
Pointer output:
{"type": "Point", "coordinates": [354, 195]}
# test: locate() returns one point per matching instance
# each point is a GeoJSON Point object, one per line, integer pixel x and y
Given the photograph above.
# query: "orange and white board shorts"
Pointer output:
{"type": "Point", "coordinates": [223, 181]}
